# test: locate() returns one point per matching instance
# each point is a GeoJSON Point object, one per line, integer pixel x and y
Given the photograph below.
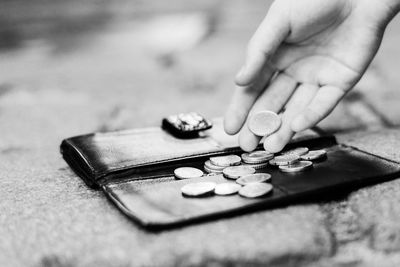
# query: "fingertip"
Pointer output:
{"type": "Point", "coordinates": [274, 144]}
{"type": "Point", "coordinates": [247, 140]}
{"type": "Point", "coordinates": [230, 126]}
{"type": "Point", "coordinates": [242, 79]}
{"type": "Point", "coordinates": [299, 123]}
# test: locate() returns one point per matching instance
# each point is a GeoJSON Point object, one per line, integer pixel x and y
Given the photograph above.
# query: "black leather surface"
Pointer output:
{"type": "Point", "coordinates": [158, 203]}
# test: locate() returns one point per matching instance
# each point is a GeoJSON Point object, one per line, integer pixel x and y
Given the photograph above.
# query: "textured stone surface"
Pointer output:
{"type": "Point", "coordinates": [102, 77]}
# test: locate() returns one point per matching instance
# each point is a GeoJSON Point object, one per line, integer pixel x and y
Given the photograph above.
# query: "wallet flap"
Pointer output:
{"type": "Point", "coordinates": [95, 156]}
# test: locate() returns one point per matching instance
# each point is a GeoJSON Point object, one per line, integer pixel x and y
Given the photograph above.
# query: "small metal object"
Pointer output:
{"type": "Point", "coordinates": [297, 167]}
{"type": "Point", "coordinates": [198, 189]}
{"type": "Point", "coordinates": [284, 160]}
{"type": "Point", "coordinates": [256, 157]}
{"type": "Point", "coordinates": [186, 125]}
{"type": "Point", "coordinates": [187, 173]}
{"type": "Point", "coordinates": [213, 167]}
{"type": "Point", "coordinates": [226, 189]}
{"type": "Point", "coordinates": [299, 151]}
{"type": "Point", "coordinates": [257, 166]}
{"type": "Point", "coordinates": [255, 190]}
{"type": "Point", "coordinates": [314, 155]}
{"type": "Point", "coordinates": [225, 161]}
{"type": "Point", "coordinates": [236, 172]}
{"type": "Point", "coordinates": [264, 123]}
{"type": "Point", "coordinates": [254, 178]}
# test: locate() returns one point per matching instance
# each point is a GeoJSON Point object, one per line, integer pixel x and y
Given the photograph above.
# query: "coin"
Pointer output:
{"type": "Point", "coordinates": [198, 189]}
{"type": "Point", "coordinates": [187, 173]}
{"type": "Point", "coordinates": [259, 156]}
{"type": "Point", "coordinates": [256, 166]}
{"type": "Point", "coordinates": [209, 167]}
{"type": "Point", "coordinates": [254, 178]}
{"type": "Point", "coordinates": [226, 161]}
{"type": "Point", "coordinates": [284, 160]}
{"type": "Point", "coordinates": [314, 155]}
{"type": "Point", "coordinates": [297, 167]}
{"type": "Point", "coordinates": [264, 123]}
{"type": "Point", "coordinates": [236, 172]}
{"type": "Point", "coordinates": [255, 190]}
{"type": "Point", "coordinates": [296, 151]}
{"type": "Point", "coordinates": [225, 189]}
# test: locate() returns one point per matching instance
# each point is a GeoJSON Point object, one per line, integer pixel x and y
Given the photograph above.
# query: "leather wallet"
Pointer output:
{"type": "Point", "coordinates": [134, 169]}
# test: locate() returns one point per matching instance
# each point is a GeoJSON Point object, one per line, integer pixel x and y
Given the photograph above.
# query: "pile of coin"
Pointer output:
{"type": "Point", "coordinates": [248, 186]}
{"type": "Point", "coordinates": [297, 159]}
{"type": "Point", "coordinates": [242, 170]}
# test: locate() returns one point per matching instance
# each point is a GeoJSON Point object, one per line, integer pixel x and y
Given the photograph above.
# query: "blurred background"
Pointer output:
{"type": "Point", "coordinates": [98, 65]}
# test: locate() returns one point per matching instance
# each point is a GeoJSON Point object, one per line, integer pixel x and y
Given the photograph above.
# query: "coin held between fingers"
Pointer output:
{"type": "Point", "coordinates": [264, 123]}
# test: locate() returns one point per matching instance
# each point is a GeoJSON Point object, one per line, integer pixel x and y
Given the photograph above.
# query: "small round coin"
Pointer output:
{"type": "Point", "coordinates": [198, 189]}
{"type": "Point", "coordinates": [255, 190]}
{"type": "Point", "coordinates": [296, 151]}
{"type": "Point", "coordinates": [236, 172]}
{"type": "Point", "coordinates": [254, 178]}
{"type": "Point", "coordinates": [314, 155]}
{"type": "Point", "coordinates": [255, 157]}
{"type": "Point", "coordinates": [284, 160]}
{"type": "Point", "coordinates": [264, 123]}
{"type": "Point", "coordinates": [226, 189]}
{"type": "Point", "coordinates": [187, 173]}
{"type": "Point", "coordinates": [297, 167]}
{"type": "Point", "coordinates": [226, 161]}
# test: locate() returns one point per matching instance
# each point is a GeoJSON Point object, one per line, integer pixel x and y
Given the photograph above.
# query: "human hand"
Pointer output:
{"type": "Point", "coordinates": [304, 57]}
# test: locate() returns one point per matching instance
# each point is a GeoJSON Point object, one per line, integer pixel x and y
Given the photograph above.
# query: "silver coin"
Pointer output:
{"type": "Point", "coordinates": [314, 155]}
{"type": "Point", "coordinates": [198, 189]}
{"type": "Point", "coordinates": [259, 156]}
{"type": "Point", "coordinates": [236, 172]}
{"type": "Point", "coordinates": [187, 173]}
{"type": "Point", "coordinates": [211, 171]}
{"type": "Point", "coordinates": [255, 190]}
{"type": "Point", "coordinates": [284, 160]}
{"type": "Point", "coordinates": [226, 189]}
{"type": "Point", "coordinates": [226, 161]}
{"type": "Point", "coordinates": [213, 167]}
{"type": "Point", "coordinates": [264, 123]}
{"type": "Point", "coordinates": [254, 178]}
{"type": "Point", "coordinates": [296, 151]}
{"type": "Point", "coordinates": [297, 167]}
{"type": "Point", "coordinates": [256, 166]}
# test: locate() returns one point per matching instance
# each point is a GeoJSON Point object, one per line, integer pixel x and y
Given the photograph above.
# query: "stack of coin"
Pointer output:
{"type": "Point", "coordinates": [257, 159]}
{"type": "Point", "coordinates": [218, 164]}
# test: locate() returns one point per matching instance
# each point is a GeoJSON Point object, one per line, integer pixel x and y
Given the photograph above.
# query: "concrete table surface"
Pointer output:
{"type": "Point", "coordinates": [59, 78]}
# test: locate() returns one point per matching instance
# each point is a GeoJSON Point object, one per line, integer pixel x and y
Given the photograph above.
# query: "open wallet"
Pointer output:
{"type": "Point", "coordinates": [135, 170]}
